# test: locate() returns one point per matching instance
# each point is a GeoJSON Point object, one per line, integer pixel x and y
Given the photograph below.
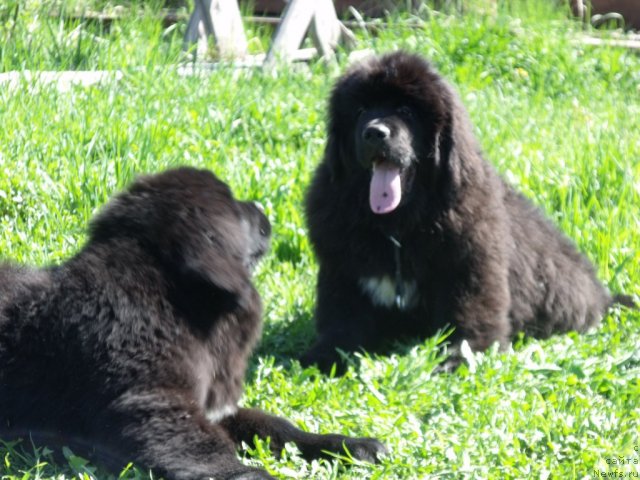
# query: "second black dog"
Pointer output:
{"type": "Point", "coordinates": [414, 230]}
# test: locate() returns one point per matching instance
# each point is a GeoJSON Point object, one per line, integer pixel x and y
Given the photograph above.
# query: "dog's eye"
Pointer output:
{"type": "Point", "coordinates": [213, 238]}
{"type": "Point", "coordinates": [405, 112]}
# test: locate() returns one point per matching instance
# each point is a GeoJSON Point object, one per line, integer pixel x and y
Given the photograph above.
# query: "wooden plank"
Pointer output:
{"type": "Point", "coordinates": [632, 44]}
{"type": "Point", "coordinates": [250, 61]}
{"type": "Point", "coordinates": [168, 17]}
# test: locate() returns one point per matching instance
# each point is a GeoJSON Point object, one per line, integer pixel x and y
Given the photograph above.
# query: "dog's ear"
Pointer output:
{"type": "Point", "coordinates": [206, 280]}
{"type": "Point", "coordinates": [445, 159]}
{"type": "Point", "coordinates": [333, 157]}
{"type": "Point", "coordinates": [213, 261]}
{"type": "Point", "coordinates": [206, 263]}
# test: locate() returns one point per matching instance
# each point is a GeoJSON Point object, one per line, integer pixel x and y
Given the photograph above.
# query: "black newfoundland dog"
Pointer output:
{"type": "Point", "coordinates": [414, 230]}
{"type": "Point", "coordinates": [138, 344]}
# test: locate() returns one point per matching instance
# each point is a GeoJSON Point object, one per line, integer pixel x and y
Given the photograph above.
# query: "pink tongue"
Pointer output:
{"type": "Point", "coordinates": [385, 191]}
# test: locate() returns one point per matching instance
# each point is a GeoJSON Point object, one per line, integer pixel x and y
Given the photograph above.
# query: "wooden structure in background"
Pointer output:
{"type": "Point", "coordinates": [221, 20]}
{"type": "Point", "coordinates": [629, 10]}
{"type": "Point", "coordinates": [300, 17]}
{"type": "Point", "coordinates": [367, 8]}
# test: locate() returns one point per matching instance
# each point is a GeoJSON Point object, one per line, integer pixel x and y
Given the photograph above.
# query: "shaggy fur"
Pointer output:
{"type": "Point", "coordinates": [137, 346]}
{"type": "Point", "coordinates": [460, 248]}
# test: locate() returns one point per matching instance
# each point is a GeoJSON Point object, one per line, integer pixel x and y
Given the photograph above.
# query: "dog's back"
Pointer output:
{"type": "Point", "coordinates": [554, 287]}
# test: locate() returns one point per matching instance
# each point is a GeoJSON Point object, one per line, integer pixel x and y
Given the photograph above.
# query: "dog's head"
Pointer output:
{"type": "Point", "coordinates": [205, 239]}
{"type": "Point", "coordinates": [391, 124]}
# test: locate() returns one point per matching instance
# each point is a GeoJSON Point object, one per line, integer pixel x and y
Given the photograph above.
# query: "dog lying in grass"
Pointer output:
{"type": "Point", "coordinates": [138, 344]}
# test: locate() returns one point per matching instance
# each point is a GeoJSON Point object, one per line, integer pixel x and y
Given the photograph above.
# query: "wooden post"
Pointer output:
{"type": "Point", "coordinates": [577, 7]}
{"type": "Point", "coordinates": [318, 17]}
{"type": "Point", "coordinates": [293, 26]}
{"type": "Point", "coordinates": [220, 19]}
{"type": "Point", "coordinates": [326, 30]}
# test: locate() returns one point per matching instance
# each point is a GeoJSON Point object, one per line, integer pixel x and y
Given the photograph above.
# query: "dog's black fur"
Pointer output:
{"type": "Point", "coordinates": [462, 248]}
{"type": "Point", "coordinates": [139, 343]}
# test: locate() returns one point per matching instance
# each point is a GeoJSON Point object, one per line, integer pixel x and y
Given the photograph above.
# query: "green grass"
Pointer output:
{"type": "Point", "coordinates": [559, 120]}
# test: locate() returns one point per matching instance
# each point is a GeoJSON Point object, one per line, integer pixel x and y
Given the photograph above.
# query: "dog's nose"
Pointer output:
{"type": "Point", "coordinates": [376, 133]}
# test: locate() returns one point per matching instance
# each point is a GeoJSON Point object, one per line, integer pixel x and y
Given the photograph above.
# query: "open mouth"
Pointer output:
{"type": "Point", "coordinates": [253, 259]}
{"type": "Point", "coordinates": [385, 190]}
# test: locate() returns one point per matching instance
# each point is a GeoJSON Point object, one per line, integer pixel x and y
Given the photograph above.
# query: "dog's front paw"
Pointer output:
{"type": "Point", "coordinates": [366, 449]}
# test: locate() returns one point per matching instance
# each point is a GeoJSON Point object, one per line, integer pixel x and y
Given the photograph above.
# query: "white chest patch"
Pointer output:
{"type": "Point", "coordinates": [383, 292]}
{"type": "Point", "coordinates": [214, 416]}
